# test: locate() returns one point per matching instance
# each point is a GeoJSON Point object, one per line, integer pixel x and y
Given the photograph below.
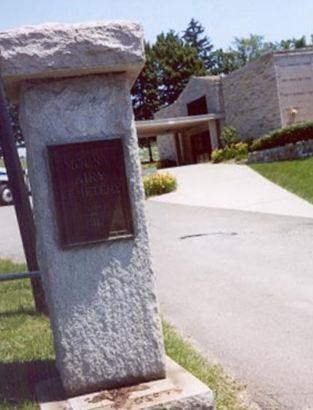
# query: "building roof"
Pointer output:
{"type": "Point", "coordinates": [148, 128]}
{"type": "Point", "coordinates": [207, 80]}
{"type": "Point", "coordinates": [305, 50]}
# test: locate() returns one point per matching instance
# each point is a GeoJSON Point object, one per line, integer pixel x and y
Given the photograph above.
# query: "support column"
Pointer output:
{"type": "Point", "coordinates": [213, 134]}
{"type": "Point", "coordinates": [178, 149]}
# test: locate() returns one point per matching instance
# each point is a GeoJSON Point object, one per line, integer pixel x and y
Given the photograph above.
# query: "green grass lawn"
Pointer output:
{"type": "Point", "coordinates": [26, 351]}
{"type": "Point", "coordinates": [296, 176]}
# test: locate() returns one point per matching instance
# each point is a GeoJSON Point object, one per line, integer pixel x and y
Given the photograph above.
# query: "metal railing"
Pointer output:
{"type": "Point", "coordinates": [16, 276]}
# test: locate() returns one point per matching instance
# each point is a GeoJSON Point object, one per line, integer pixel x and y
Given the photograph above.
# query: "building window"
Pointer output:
{"type": "Point", "coordinates": [197, 107]}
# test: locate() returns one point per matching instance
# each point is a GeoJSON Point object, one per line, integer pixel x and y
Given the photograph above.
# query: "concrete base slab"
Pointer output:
{"type": "Point", "coordinates": [179, 390]}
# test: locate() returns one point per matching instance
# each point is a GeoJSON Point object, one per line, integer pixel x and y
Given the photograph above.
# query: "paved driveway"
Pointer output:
{"type": "Point", "coordinates": [227, 186]}
{"type": "Point", "coordinates": [235, 273]}
{"type": "Point", "coordinates": [240, 285]}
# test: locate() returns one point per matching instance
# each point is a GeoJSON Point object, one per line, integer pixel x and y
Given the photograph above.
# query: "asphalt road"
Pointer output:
{"type": "Point", "coordinates": [240, 285]}
{"type": "Point", "coordinates": [10, 242]}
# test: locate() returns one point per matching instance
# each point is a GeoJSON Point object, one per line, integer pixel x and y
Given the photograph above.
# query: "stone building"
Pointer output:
{"type": "Point", "coordinates": [273, 91]}
{"type": "Point", "coordinates": [188, 130]}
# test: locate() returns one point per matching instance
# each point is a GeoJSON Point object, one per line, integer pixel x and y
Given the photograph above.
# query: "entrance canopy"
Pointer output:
{"type": "Point", "coordinates": [149, 128]}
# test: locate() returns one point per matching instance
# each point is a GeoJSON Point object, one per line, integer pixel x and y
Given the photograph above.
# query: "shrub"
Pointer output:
{"type": "Point", "coordinates": [286, 135]}
{"type": "Point", "coordinates": [238, 151]}
{"type": "Point", "coordinates": [159, 183]}
{"type": "Point", "coordinates": [217, 156]}
{"type": "Point", "coordinates": [228, 136]}
{"type": "Point", "coordinates": [241, 150]}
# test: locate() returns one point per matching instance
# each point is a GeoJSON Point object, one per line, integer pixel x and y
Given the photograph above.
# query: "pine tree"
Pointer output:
{"type": "Point", "coordinates": [194, 37]}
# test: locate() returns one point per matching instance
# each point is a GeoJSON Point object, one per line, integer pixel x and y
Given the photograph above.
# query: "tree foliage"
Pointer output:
{"type": "Point", "coordinates": [177, 62]}
{"type": "Point", "coordinates": [292, 43]}
{"type": "Point", "coordinates": [223, 62]}
{"type": "Point", "coordinates": [194, 37]}
{"type": "Point", "coordinates": [250, 48]}
{"type": "Point", "coordinates": [170, 64]}
{"type": "Point", "coordinates": [145, 94]}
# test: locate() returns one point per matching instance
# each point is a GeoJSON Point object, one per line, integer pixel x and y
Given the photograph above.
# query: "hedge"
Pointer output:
{"type": "Point", "coordinates": [159, 183]}
{"type": "Point", "coordinates": [238, 151]}
{"type": "Point", "coordinates": [282, 136]}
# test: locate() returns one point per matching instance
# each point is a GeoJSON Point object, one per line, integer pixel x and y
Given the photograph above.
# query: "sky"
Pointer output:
{"type": "Point", "coordinates": [223, 20]}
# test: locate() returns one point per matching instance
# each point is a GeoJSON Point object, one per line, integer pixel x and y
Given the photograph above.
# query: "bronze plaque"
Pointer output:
{"type": "Point", "coordinates": [90, 191]}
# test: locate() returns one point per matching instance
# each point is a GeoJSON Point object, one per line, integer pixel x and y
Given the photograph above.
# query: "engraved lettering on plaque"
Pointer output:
{"type": "Point", "coordinates": [90, 191]}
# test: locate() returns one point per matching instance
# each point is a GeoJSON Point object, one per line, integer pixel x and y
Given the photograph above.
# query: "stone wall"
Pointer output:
{"type": "Point", "coordinates": [295, 85]}
{"type": "Point", "coordinates": [171, 111]}
{"type": "Point", "coordinates": [301, 149]}
{"type": "Point", "coordinates": [251, 98]}
{"type": "Point", "coordinates": [209, 86]}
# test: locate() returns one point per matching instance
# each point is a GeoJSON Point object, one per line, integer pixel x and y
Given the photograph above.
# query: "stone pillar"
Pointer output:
{"type": "Point", "coordinates": [73, 84]}
{"type": "Point", "coordinates": [213, 134]}
{"type": "Point", "coordinates": [179, 155]}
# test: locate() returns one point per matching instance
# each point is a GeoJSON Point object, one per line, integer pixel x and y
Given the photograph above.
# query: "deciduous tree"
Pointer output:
{"type": "Point", "coordinates": [177, 62]}
{"type": "Point", "coordinates": [223, 62]}
{"type": "Point", "coordinates": [292, 43]}
{"type": "Point", "coordinates": [250, 48]}
{"type": "Point", "coordinates": [170, 62]}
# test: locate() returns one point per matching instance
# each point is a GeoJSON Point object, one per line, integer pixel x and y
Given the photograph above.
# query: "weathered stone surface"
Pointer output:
{"type": "Point", "coordinates": [208, 86]}
{"type": "Point", "coordinates": [260, 96]}
{"type": "Point", "coordinates": [101, 297]}
{"type": "Point", "coordinates": [251, 98]}
{"type": "Point", "coordinates": [166, 147]}
{"type": "Point", "coordinates": [179, 391]}
{"type": "Point", "coordinates": [61, 50]}
{"type": "Point", "coordinates": [302, 149]}
{"type": "Point", "coordinates": [294, 72]}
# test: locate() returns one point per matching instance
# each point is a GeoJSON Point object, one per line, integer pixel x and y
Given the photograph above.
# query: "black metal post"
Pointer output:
{"type": "Point", "coordinates": [22, 204]}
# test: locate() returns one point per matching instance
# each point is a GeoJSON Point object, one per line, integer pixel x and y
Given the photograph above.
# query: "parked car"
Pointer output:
{"type": "Point", "coordinates": [6, 197]}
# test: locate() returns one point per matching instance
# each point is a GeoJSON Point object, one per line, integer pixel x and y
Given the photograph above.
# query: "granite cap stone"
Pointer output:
{"type": "Point", "coordinates": [67, 50]}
